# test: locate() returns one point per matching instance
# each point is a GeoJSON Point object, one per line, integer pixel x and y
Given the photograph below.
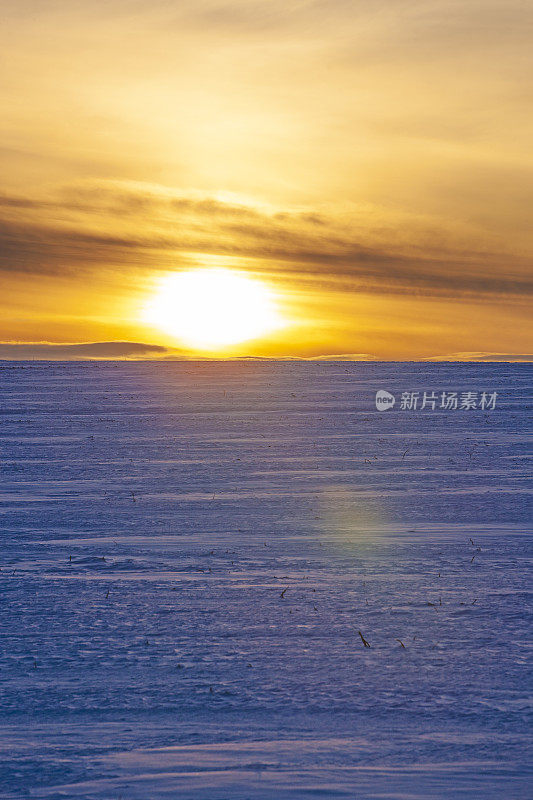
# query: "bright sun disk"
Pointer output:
{"type": "Point", "coordinates": [213, 308]}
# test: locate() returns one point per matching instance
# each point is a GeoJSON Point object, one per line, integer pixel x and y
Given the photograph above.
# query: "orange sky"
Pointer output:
{"type": "Point", "coordinates": [371, 162]}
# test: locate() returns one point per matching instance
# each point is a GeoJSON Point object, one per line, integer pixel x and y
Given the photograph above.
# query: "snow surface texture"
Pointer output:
{"type": "Point", "coordinates": [189, 551]}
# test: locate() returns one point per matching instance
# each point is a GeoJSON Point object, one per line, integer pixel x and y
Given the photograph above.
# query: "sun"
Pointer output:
{"type": "Point", "coordinates": [213, 308]}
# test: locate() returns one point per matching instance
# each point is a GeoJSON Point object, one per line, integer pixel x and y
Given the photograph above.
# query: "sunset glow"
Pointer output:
{"type": "Point", "coordinates": [368, 160]}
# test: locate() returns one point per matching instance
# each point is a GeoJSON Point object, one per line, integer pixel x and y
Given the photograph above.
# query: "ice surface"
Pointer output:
{"type": "Point", "coordinates": [152, 516]}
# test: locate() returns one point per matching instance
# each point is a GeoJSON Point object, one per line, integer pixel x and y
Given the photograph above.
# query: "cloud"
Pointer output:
{"type": "Point", "coordinates": [345, 357]}
{"type": "Point", "coordinates": [476, 356]}
{"type": "Point", "coordinates": [48, 351]}
{"type": "Point", "coordinates": [122, 226]}
{"type": "Point", "coordinates": [51, 351]}
{"type": "Point", "coordinates": [116, 351]}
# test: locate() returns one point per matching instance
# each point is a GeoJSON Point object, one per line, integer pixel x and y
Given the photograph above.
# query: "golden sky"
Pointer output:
{"type": "Point", "coordinates": [371, 162]}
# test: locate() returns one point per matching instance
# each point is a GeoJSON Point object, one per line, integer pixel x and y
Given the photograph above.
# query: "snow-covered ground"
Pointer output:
{"type": "Point", "coordinates": [190, 550]}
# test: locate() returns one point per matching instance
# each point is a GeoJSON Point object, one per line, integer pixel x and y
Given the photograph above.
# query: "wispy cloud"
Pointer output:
{"type": "Point", "coordinates": [124, 227]}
